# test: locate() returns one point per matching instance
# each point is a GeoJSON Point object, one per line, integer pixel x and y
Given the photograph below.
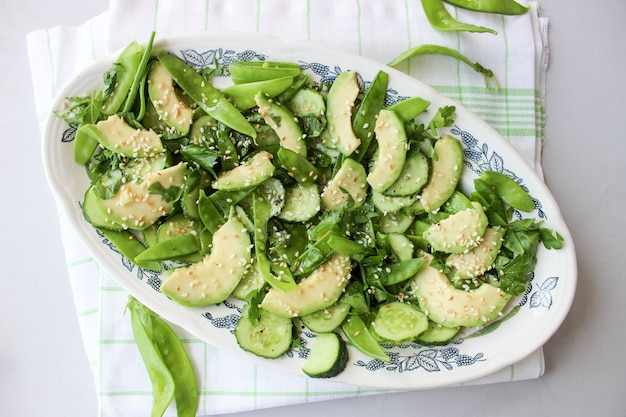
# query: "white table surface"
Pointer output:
{"type": "Point", "coordinates": [40, 346]}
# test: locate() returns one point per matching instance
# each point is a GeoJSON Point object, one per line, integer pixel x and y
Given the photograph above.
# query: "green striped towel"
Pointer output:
{"type": "Point", "coordinates": [378, 29]}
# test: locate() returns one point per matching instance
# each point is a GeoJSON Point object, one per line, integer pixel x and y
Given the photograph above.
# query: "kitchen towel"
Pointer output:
{"type": "Point", "coordinates": [378, 29]}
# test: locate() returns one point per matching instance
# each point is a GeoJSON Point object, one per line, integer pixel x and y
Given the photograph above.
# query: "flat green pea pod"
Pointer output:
{"type": "Point", "coordinates": [365, 117]}
{"type": "Point", "coordinates": [261, 209]}
{"type": "Point", "coordinates": [170, 249]}
{"type": "Point", "coordinates": [505, 7]}
{"type": "Point", "coordinates": [297, 166]}
{"type": "Point", "coordinates": [243, 94]}
{"type": "Point", "coordinates": [84, 147]}
{"type": "Point", "coordinates": [250, 71]}
{"type": "Point", "coordinates": [139, 79]}
{"type": "Point", "coordinates": [510, 191]}
{"type": "Point", "coordinates": [430, 49]}
{"type": "Point", "coordinates": [119, 78]}
{"type": "Point", "coordinates": [129, 247]}
{"type": "Point", "coordinates": [360, 337]}
{"type": "Point", "coordinates": [163, 385]}
{"type": "Point", "coordinates": [440, 19]}
{"type": "Point", "coordinates": [205, 95]}
{"type": "Point", "coordinates": [177, 361]}
{"type": "Point", "coordinates": [408, 109]}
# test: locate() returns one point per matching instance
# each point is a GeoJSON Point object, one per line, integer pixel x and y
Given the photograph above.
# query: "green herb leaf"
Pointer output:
{"type": "Point", "coordinates": [169, 194]}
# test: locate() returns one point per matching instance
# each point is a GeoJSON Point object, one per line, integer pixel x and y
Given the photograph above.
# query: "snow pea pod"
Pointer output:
{"type": "Point", "coordinates": [297, 166]}
{"type": "Point", "coordinates": [178, 363]}
{"type": "Point", "coordinates": [139, 76]}
{"type": "Point", "coordinates": [430, 49]}
{"type": "Point", "coordinates": [170, 249]}
{"type": "Point", "coordinates": [410, 108]}
{"type": "Point", "coordinates": [243, 94]}
{"type": "Point", "coordinates": [505, 7]}
{"type": "Point", "coordinates": [120, 77]}
{"type": "Point", "coordinates": [209, 214]}
{"type": "Point", "coordinates": [205, 95]}
{"type": "Point", "coordinates": [250, 71]}
{"type": "Point", "coordinates": [130, 247]}
{"type": "Point", "coordinates": [510, 191]}
{"type": "Point", "coordinates": [365, 117]}
{"type": "Point", "coordinates": [84, 147]}
{"type": "Point", "coordinates": [160, 376]}
{"type": "Point", "coordinates": [440, 19]}
{"type": "Point", "coordinates": [261, 213]}
{"type": "Point", "coordinates": [360, 337]}
{"type": "Point", "coordinates": [298, 83]}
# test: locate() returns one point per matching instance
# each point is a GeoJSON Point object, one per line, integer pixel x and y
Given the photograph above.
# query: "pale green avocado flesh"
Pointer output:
{"type": "Point", "coordinates": [319, 290]}
{"type": "Point", "coordinates": [213, 279]}
{"type": "Point", "coordinates": [451, 307]}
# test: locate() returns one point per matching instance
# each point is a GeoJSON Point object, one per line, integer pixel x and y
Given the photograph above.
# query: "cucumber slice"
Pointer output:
{"type": "Point", "coordinates": [413, 177]}
{"type": "Point", "coordinates": [401, 246]}
{"type": "Point", "coordinates": [395, 222]}
{"type": "Point", "coordinates": [436, 334]}
{"type": "Point", "coordinates": [398, 322]}
{"type": "Point", "coordinates": [327, 319]}
{"type": "Point", "coordinates": [94, 213]}
{"type": "Point", "coordinates": [302, 202]}
{"type": "Point", "coordinates": [328, 356]}
{"type": "Point", "coordinates": [270, 337]}
{"type": "Point", "coordinates": [308, 105]}
{"type": "Point", "coordinates": [388, 204]}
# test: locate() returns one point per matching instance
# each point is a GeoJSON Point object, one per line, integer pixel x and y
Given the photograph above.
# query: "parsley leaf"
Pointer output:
{"type": "Point", "coordinates": [82, 110]}
{"type": "Point", "coordinates": [169, 194]}
{"type": "Point", "coordinates": [443, 118]}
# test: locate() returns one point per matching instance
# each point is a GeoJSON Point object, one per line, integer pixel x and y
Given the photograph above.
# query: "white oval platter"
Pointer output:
{"type": "Point", "coordinates": [541, 310]}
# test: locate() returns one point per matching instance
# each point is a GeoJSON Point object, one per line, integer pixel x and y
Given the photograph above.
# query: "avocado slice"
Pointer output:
{"type": "Point", "coordinates": [391, 154]}
{"type": "Point", "coordinates": [136, 205]}
{"type": "Point", "coordinates": [348, 182]}
{"type": "Point", "coordinates": [283, 122]}
{"type": "Point", "coordinates": [249, 174]}
{"type": "Point", "coordinates": [452, 307]}
{"type": "Point", "coordinates": [170, 108]}
{"type": "Point", "coordinates": [480, 259]}
{"type": "Point", "coordinates": [118, 136]}
{"type": "Point", "coordinates": [340, 102]}
{"type": "Point", "coordinates": [460, 232]}
{"type": "Point", "coordinates": [445, 175]}
{"type": "Point", "coordinates": [213, 279]}
{"type": "Point", "coordinates": [319, 290]}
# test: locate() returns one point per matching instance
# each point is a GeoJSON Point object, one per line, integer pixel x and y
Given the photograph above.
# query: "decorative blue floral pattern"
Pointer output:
{"type": "Point", "coordinates": [223, 57]}
{"type": "Point", "coordinates": [425, 359]}
{"type": "Point", "coordinates": [543, 296]}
